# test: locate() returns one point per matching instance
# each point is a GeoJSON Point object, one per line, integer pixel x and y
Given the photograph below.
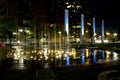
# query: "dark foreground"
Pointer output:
{"type": "Point", "coordinates": [83, 72]}
{"type": "Point", "coordinates": [74, 72]}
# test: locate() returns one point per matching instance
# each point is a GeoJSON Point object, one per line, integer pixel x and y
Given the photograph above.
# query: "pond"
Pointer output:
{"type": "Point", "coordinates": [85, 56]}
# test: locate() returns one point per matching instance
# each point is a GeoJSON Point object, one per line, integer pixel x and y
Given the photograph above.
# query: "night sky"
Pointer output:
{"type": "Point", "coordinates": [108, 10]}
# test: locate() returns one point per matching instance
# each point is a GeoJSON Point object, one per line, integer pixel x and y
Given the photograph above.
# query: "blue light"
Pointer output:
{"type": "Point", "coordinates": [83, 56]}
{"type": "Point", "coordinates": [82, 24]}
{"type": "Point", "coordinates": [67, 21]}
{"type": "Point", "coordinates": [94, 25]}
{"type": "Point", "coordinates": [94, 56]}
{"type": "Point", "coordinates": [103, 55]}
{"type": "Point", "coordinates": [102, 27]}
{"type": "Point", "coordinates": [67, 60]}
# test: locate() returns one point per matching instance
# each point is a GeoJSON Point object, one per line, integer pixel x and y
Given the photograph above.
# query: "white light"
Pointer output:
{"type": "Point", "coordinates": [78, 6]}
{"type": "Point", "coordinates": [115, 34]}
{"type": "Point", "coordinates": [88, 23]}
{"type": "Point", "coordinates": [115, 55]}
{"type": "Point", "coordinates": [20, 30]}
{"type": "Point", "coordinates": [18, 41]}
{"type": "Point", "coordinates": [14, 33]}
{"type": "Point", "coordinates": [59, 32]}
{"type": "Point", "coordinates": [67, 3]}
{"type": "Point", "coordinates": [99, 41]}
{"type": "Point", "coordinates": [67, 21]}
{"type": "Point", "coordinates": [69, 6]}
{"type": "Point", "coordinates": [82, 24]}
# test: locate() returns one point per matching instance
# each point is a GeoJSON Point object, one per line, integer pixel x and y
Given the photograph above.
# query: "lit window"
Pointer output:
{"type": "Point", "coordinates": [69, 6]}
{"type": "Point", "coordinates": [107, 33]}
{"type": "Point", "coordinates": [78, 6]}
{"type": "Point", "coordinates": [88, 23]}
{"type": "Point", "coordinates": [73, 6]}
{"type": "Point", "coordinates": [67, 3]}
{"type": "Point", "coordinates": [115, 34]}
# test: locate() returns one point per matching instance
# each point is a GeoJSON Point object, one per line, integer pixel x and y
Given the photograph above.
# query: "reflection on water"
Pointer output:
{"type": "Point", "coordinates": [83, 56]}
{"type": "Point", "coordinates": [94, 56]}
{"type": "Point", "coordinates": [75, 57]}
{"type": "Point", "coordinates": [88, 56]}
{"type": "Point", "coordinates": [67, 59]}
{"type": "Point", "coordinates": [19, 65]}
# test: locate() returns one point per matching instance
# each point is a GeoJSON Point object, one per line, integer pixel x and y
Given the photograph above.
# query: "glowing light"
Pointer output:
{"type": "Point", "coordinates": [78, 6]}
{"type": "Point", "coordinates": [83, 56]}
{"type": "Point", "coordinates": [82, 29]}
{"type": "Point", "coordinates": [99, 41]}
{"type": "Point", "coordinates": [67, 59]}
{"type": "Point", "coordinates": [20, 30]}
{"type": "Point", "coordinates": [103, 55]}
{"type": "Point", "coordinates": [67, 2]}
{"type": "Point", "coordinates": [74, 53]}
{"type": "Point", "coordinates": [102, 27]}
{"type": "Point", "coordinates": [67, 21]}
{"type": "Point", "coordinates": [88, 23]}
{"type": "Point", "coordinates": [31, 57]}
{"type": "Point", "coordinates": [94, 26]}
{"type": "Point", "coordinates": [82, 24]}
{"type": "Point", "coordinates": [107, 33]}
{"type": "Point", "coordinates": [102, 37]}
{"type": "Point", "coordinates": [115, 34]}
{"type": "Point", "coordinates": [14, 33]}
{"type": "Point", "coordinates": [86, 31]}
{"type": "Point", "coordinates": [115, 55]}
{"type": "Point", "coordinates": [69, 6]}
{"type": "Point", "coordinates": [87, 52]}
{"type": "Point", "coordinates": [94, 56]}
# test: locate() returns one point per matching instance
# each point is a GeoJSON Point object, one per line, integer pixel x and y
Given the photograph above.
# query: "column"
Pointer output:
{"type": "Point", "coordinates": [82, 29]}
{"type": "Point", "coordinates": [93, 40]}
{"type": "Point", "coordinates": [102, 36]}
{"type": "Point", "coordinates": [67, 28]}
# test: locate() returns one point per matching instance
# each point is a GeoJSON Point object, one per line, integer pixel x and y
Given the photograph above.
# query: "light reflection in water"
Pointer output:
{"type": "Point", "coordinates": [103, 55]}
{"type": "Point", "coordinates": [83, 56]}
{"type": "Point", "coordinates": [67, 59]}
{"type": "Point", "coordinates": [79, 56]}
{"type": "Point", "coordinates": [94, 56]}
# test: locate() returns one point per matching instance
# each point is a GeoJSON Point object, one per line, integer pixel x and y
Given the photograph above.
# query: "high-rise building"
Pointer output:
{"type": "Point", "coordinates": [52, 13]}
{"type": "Point", "coordinates": [76, 8]}
{"type": "Point", "coordinates": [24, 12]}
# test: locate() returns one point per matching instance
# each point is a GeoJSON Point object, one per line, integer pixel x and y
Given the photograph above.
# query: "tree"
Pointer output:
{"type": "Point", "coordinates": [91, 33]}
{"type": "Point", "coordinates": [8, 28]}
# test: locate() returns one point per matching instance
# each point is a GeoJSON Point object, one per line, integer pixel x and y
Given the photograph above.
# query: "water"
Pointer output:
{"type": "Point", "coordinates": [72, 58]}
{"type": "Point", "coordinates": [86, 57]}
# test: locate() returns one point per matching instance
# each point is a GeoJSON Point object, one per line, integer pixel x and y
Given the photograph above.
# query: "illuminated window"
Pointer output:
{"type": "Point", "coordinates": [78, 6]}
{"type": "Point", "coordinates": [88, 23]}
{"type": "Point", "coordinates": [67, 3]}
{"type": "Point", "coordinates": [69, 6]}
{"type": "Point", "coordinates": [72, 6]}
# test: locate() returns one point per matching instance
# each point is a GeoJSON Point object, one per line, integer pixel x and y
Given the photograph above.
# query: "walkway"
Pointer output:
{"type": "Point", "coordinates": [45, 74]}
{"type": "Point", "coordinates": [109, 74]}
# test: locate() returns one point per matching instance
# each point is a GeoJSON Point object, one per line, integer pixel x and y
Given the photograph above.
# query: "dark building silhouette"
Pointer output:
{"type": "Point", "coordinates": [51, 13]}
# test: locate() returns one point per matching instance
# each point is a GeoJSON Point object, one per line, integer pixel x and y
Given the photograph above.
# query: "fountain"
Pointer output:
{"type": "Point", "coordinates": [55, 48]}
